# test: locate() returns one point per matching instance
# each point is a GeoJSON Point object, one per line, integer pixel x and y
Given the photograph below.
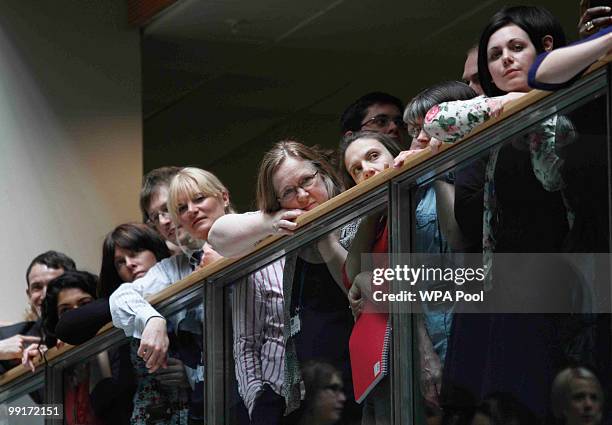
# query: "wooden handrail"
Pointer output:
{"type": "Point", "coordinates": [338, 201]}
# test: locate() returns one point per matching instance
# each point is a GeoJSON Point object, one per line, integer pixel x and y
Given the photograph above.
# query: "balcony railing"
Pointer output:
{"type": "Point", "coordinates": [395, 194]}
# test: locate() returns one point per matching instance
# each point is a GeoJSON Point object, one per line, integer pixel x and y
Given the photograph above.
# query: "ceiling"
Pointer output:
{"type": "Point", "coordinates": [223, 80]}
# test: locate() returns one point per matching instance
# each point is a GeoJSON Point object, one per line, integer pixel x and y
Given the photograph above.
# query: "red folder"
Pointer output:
{"type": "Point", "coordinates": [369, 350]}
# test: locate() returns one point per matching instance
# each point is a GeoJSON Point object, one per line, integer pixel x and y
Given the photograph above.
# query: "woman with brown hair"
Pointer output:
{"type": "Point", "coordinates": [293, 179]}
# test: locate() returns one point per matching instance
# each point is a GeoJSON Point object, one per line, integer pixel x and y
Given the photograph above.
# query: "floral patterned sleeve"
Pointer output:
{"type": "Point", "coordinates": [452, 121]}
{"type": "Point", "coordinates": [551, 134]}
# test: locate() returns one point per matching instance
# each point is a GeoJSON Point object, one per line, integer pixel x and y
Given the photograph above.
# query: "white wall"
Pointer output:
{"type": "Point", "coordinates": [70, 133]}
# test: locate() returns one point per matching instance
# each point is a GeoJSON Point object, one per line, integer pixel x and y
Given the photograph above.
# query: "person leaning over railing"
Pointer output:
{"type": "Point", "coordinates": [196, 199]}
{"type": "Point", "coordinates": [128, 252]}
{"type": "Point", "coordinates": [507, 49]}
{"type": "Point", "coordinates": [364, 155]}
{"type": "Point", "coordinates": [23, 337]}
{"type": "Point", "coordinates": [71, 290]}
{"type": "Point", "coordinates": [293, 178]}
{"type": "Point", "coordinates": [523, 212]}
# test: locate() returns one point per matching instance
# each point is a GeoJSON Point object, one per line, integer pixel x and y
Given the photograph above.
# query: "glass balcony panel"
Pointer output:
{"type": "Point", "coordinates": [532, 215]}
{"type": "Point", "coordinates": [115, 386]}
{"type": "Point", "coordinates": [293, 332]}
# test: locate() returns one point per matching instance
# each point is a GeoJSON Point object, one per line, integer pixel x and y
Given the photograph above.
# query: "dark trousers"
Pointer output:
{"type": "Point", "coordinates": [269, 408]}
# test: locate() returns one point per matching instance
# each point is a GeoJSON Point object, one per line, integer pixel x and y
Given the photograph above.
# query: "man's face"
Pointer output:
{"type": "Point", "coordinates": [385, 118]}
{"type": "Point", "coordinates": [470, 72]}
{"type": "Point", "coordinates": [39, 277]}
{"type": "Point", "coordinates": [157, 212]}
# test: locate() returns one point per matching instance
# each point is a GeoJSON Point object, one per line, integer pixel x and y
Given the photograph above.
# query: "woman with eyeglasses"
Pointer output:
{"type": "Point", "coordinates": [294, 179]}
{"type": "Point", "coordinates": [324, 397]}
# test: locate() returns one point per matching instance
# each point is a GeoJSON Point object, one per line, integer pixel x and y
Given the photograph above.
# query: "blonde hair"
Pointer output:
{"type": "Point", "coordinates": [562, 387]}
{"type": "Point", "coordinates": [266, 195]}
{"type": "Point", "coordinates": [191, 181]}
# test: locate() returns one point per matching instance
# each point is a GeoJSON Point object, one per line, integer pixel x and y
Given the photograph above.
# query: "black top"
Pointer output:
{"type": "Point", "coordinates": [81, 324]}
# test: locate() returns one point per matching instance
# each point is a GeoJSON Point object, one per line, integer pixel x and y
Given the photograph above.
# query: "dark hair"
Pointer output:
{"type": "Point", "coordinates": [150, 183]}
{"type": "Point", "coordinates": [536, 21]}
{"type": "Point", "coordinates": [445, 91]}
{"type": "Point", "coordinates": [505, 409]}
{"type": "Point", "coordinates": [354, 114]}
{"type": "Point", "coordinates": [131, 236]}
{"type": "Point", "coordinates": [85, 281]}
{"type": "Point", "coordinates": [316, 376]}
{"type": "Point", "coordinates": [392, 146]}
{"type": "Point", "coordinates": [53, 260]}
{"type": "Point", "coordinates": [319, 158]}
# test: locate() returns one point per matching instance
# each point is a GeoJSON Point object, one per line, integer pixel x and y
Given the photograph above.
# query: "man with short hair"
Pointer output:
{"type": "Point", "coordinates": [153, 199]}
{"type": "Point", "coordinates": [42, 270]}
{"type": "Point", "coordinates": [376, 111]}
{"type": "Point", "coordinates": [470, 70]}
{"type": "Point", "coordinates": [16, 338]}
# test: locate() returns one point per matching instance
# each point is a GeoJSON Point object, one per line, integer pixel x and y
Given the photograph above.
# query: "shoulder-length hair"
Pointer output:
{"type": "Point", "coordinates": [131, 236]}
{"type": "Point", "coordinates": [266, 195]}
{"type": "Point", "coordinates": [536, 21]}
{"type": "Point", "coordinates": [190, 182]}
{"type": "Point", "coordinates": [389, 143]}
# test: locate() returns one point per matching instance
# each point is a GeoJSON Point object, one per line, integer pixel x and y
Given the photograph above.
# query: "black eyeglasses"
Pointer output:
{"type": "Point", "coordinates": [383, 120]}
{"type": "Point", "coordinates": [155, 217]}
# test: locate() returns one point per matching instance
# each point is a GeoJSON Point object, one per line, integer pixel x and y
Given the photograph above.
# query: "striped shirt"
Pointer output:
{"type": "Point", "coordinates": [257, 322]}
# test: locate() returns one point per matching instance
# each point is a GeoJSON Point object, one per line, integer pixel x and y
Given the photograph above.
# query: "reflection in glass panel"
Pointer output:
{"type": "Point", "coordinates": [173, 394]}
{"type": "Point", "coordinates": [543, 193]}
{"type": "Point", "coordinates": [99, 390]}
{"type": "Point", "coordinates": [115, 386]}
{"type": "Point", "coordinates": [294, 339]}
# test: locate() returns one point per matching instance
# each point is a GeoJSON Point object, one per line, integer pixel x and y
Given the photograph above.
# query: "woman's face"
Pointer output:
{"type": "Point", "coordinates": [198, 213]}
{"type": "Point", "coordinates": [131, 265]}
{"type": "Point", "coordinates": [299, 185]}
{"type": "Point", "coordinates": [510, 54]}
{"type": "Point", "coordinates": [584, 404]}
{"type": "Point", "coordinates": [70, 298]}
{"type": "Point", "coordinates": [365, 158]}
{"type": "Point", "coordinates": [329, 401]}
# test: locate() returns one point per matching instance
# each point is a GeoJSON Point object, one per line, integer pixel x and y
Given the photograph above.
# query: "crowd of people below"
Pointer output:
{"type": "Point", "coordinates": [298, 322]}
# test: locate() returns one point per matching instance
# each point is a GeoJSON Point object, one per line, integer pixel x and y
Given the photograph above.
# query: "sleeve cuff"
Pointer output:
{"type": "Point", "coordinates": [142, 317]}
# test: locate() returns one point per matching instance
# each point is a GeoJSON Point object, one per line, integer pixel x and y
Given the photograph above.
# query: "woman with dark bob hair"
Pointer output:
{"type": "Point", "coordinates": [543, 29]}
{"type": "Point", "coordinates": [523, 212]}
{"type": "Point", "coordinates": [314, 310]}
{"type": "Point", "coordinates": [128, 252]}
